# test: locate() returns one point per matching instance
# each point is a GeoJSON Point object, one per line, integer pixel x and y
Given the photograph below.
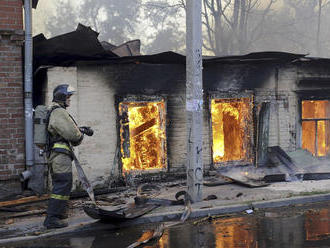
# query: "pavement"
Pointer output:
{"type": "Point", "coordinates": [218, 200]}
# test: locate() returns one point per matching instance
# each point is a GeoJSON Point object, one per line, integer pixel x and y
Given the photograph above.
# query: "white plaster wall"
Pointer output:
{"type": "Point", "coordinates": [92, 105]}
{"type": "Point", "coordinates": [65, 75]}
{"type": "Point", "coordinates": [96, 109]}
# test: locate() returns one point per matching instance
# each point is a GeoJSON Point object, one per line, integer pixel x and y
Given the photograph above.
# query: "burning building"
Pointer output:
{"type": "Point", "coordinates": [136, 104]}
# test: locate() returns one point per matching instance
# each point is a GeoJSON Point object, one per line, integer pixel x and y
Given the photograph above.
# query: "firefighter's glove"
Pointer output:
{"type": "Point", "coordinates": [86, 130]}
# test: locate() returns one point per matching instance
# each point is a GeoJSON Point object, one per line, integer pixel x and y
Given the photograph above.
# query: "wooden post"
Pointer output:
{"type": "Point", "coordinates": [194, 99]}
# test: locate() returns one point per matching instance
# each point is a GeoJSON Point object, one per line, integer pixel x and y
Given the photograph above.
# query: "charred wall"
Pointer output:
{"type": "Point", "coordinates": [143, 82]}
{"type": "Point", "coordinates": [100, 88]}
{"type": "Point", "coordinates": [244, 76]}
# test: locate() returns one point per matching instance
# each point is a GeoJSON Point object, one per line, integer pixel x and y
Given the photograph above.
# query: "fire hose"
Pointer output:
{"type": "Point", "coordinates": [83, 179]}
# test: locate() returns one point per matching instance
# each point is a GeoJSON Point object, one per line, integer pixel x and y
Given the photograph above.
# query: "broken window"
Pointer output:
{"type": "Point", "coordinates": [231, 129]}
{"type": "Point", "coordinates": [316, 127]}
{"type": "Point", "coordinates": [142, 135]}
{"type": "Point", "coordinates": [262, 133]}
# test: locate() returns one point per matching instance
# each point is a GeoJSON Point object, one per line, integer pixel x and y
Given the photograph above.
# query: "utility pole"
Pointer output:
{"type": "Point", "coordinates": [194, 99]}
{"type": "Point", "coordinates": [318, 28]}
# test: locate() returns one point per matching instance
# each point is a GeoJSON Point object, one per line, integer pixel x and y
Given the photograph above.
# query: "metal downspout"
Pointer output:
{"type": "Point", "coordinates": [29, 155]}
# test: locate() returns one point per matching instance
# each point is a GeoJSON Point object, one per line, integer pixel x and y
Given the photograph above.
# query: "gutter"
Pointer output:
{"type": "Point", "coordinates": [28, 57]}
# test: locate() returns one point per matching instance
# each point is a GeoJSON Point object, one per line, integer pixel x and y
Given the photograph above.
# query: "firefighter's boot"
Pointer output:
{"type": "Point", "coordinates": [65, 214]}
{"type": "Point", "coordinates": [54, 222]}
{"type": "Point", "coordinates": [55, 212]}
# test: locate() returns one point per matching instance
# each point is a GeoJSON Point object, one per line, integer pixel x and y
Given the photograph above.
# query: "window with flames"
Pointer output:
{"type": "Point", "coordinates": [231, 129]}
{"type": "Point", "coordinates": [316, 127]}
{"type": "Point", "coordinates": [143, 135]}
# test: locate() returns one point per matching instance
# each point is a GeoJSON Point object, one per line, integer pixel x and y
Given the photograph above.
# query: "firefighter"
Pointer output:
{"type": "Point", "coordinates": [63, 134]}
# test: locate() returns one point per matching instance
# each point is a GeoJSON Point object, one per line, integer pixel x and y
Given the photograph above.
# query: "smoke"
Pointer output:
{"type": "Point", "coordinates": [233, 27]}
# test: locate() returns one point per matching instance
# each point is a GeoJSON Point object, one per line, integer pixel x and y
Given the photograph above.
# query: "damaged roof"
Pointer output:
{"type": "Point", "coordinates": [81, 44]}
{"type": "Point", "coordinates": [34, 3]}
{"type": "Point", "coordinates": [83, 47]}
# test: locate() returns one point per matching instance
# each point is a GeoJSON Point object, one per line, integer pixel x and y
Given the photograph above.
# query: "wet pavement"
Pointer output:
{"type": "Point", "coordinates": [226, 199]}
{"type": "Point", "coordinates": [299, 226]}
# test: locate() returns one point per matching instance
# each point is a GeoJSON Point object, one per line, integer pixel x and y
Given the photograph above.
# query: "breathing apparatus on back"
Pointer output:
{"type": "Point", "coordinates": [42, 114]}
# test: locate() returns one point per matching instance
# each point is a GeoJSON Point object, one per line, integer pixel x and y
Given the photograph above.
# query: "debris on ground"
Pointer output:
{"type": "Point", "coordinates": [216, 180]}
{"type": "Point", "coordinates": [210, 197]}
{"type": "Point", "coordinates": [249, 178]}
{"type": "Point", "coordinates": [24, 200]}
{"type": "Point", "coordinates": [115, 201]}
{"type": "Point", "coordinates": [27, 213]}
{"type": "Point", "coordinates": [112, 214]}
{"type": "Point", "coordinates": [148, 189]}
{"type": "Point", "coordinates": [157, 201]}
{"type": "Point", "coordinates": [239, 194]}
{"type": "Point", "coordinates": [249, 211]}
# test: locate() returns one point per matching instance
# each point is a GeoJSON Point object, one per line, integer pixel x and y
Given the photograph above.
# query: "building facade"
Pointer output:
{"type": "Point", "coordinates": [12, 152]}
{"type": "Point", "coordinates": [137, 110]}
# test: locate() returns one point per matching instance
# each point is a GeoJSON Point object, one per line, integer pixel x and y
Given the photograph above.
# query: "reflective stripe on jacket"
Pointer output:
{"type": "Point", "coordinates": [61, 146]}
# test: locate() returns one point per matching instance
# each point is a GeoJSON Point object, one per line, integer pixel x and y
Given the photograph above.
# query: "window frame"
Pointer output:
{"type": "Point", "coordinates": [315, 120]}
{"type": "Point", "coordinates": [250, 158]}
{"type": "Point", "coordinates": [137, 99]}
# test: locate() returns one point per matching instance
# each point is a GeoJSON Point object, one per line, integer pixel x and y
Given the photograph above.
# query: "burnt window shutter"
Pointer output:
{"type": "Point", "coordinates": [263, 133]}
{"type": "Point", "coordinates": [162, 119]}
{"type": "Point", "coordinates": [124, 134]}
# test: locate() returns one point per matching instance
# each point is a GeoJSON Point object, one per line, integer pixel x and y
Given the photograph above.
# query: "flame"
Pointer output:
{"type": "Point", "coordinates": [317, 224]}
{"type": "Point", "coordinates": [308, 136]}
{"type": "Point", "coordinates": [164, 241]}
{"type": "Point", "coordinates": [147, 138]}
{"type": "Point", "coordinates": [321, 147]}
{"type": "Point", "coordinates": [229, 129]}
{"type": "Point", "coordinates": [315, 132]}
{"type": "Point", "coordinates": [235, 232]}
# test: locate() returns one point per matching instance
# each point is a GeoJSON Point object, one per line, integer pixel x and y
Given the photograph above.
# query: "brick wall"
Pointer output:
{"type": "Point", "coordinates": [11, 14]}
{"type": "Point", "coordinates": [12, 151]}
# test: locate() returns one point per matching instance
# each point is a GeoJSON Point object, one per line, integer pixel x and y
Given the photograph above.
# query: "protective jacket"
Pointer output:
{"type": "Point", "coordinates": [63, 130]}
{"type": "Point", "coordinates": [64, 133]}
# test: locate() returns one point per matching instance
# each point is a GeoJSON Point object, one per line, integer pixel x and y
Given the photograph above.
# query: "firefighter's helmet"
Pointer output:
{"type": "Point", "coordinates": [62, 92]}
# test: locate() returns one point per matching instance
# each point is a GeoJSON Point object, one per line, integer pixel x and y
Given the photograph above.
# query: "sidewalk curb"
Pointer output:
{"type": "Point", "coordinates": [202, 211]}
{"type": "Point", "coordinates": [292, 201]}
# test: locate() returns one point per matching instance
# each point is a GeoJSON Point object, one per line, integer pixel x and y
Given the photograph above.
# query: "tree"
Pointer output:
{"type": "Point", "coordinates": [114, 20]}
{"type": "Point", "coordinates": [64, 19]}
{"type": "Point", "coordinates": [227, 27]}
{"type": "Point", "coordinates": [307, 17]}
{"type": "Point", "coordinates": [166, 40]}
{"type": "Point", "coordinates": [166, 30]}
